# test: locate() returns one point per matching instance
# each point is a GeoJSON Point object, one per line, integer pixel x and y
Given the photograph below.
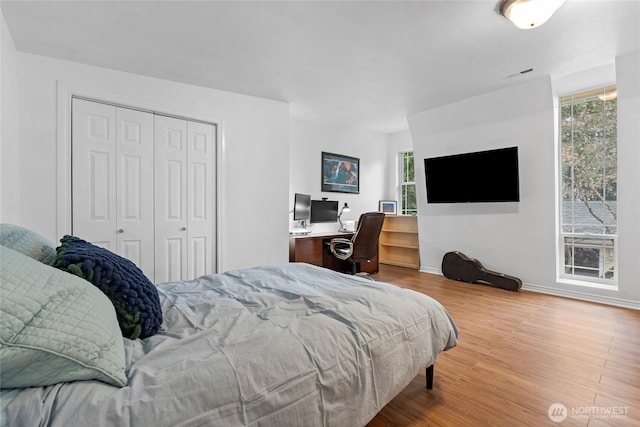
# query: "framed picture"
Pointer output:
{"type": "Point", "coordinates": [389, 207]}
{"type": "Point", "coordinates": [340, 174]}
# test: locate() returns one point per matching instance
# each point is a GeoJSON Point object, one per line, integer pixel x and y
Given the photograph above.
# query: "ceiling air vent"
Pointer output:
{"type": "Point", "coordinates": [520, 73]}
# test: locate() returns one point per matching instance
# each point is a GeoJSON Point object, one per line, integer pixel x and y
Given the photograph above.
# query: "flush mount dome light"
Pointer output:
{"type": "Point", "coordinates": [528, 14]}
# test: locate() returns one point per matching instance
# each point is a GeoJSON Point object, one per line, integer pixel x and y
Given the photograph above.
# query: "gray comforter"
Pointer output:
{"type": "Point", "coordinates": [290, 345]}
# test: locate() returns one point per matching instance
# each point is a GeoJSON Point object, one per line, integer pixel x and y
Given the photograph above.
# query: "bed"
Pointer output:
{"type": "Point", "coordinates": [283, 345]}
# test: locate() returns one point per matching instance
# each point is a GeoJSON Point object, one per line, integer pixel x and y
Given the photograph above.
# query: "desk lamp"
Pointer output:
{"type": "Point", "coordinates": [344, 209]}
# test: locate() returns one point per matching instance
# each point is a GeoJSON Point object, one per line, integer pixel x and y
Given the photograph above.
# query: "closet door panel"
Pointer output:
{"type": "Point", "coordinates": [170, 198]}
{"type": "Point", "coordinates": [93, 159]}
{"type": "Point", "coordinates": [172, 268]}
{"type": "Point", "coordinates": [99, 186]}
{"type": "Point", "coordinates": [132, 250]}
{"type": "Point", "coordinates": [174, 190]}
{"type": "Point", "coordinates": [135, 221]}
{"type": "Point", "coordinates": [200, 200]}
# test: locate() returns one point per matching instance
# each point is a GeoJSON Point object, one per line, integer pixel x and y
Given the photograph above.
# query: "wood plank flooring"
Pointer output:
{"type": "Point", "coordinates": [519, 353]}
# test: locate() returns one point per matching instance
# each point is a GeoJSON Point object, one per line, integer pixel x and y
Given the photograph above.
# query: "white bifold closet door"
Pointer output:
{"type": "Point", "coordinates": [143, 186]}
{"type": "Point", "coordinates": [184, 178]}
{"type": "Point", "coordinates": [112, 180]}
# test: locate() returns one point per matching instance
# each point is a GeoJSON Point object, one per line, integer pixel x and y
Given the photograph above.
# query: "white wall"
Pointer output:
{"type": "Point", "coordinates": [310, 139]}
{"type": "Point", "coordinates": [628, 81]}
{"type": "Point", "coordinates": [519, 239]}
{"type": "Point", "coordinates": [9, 135]}
{"type": "Point", "coordinates": [254, 181]}
{"type": "Point", "coordinates": [500, 235]}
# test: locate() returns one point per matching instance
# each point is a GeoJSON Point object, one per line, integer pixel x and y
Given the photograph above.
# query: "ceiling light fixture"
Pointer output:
{"type": "Point", "coordinates": [528, 14]}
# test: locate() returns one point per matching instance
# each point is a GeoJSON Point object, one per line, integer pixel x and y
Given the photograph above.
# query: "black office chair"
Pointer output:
{"type": "Point", "coordinates": [363, 246]}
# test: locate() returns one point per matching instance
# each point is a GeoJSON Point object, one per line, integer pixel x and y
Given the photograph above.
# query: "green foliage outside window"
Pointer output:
{"type": "Point", "coordinates": [590, 153]}
{"type": "Point", "coordinates": [589, 157]}
{"type": "Point", "coordinates": [409, 205]}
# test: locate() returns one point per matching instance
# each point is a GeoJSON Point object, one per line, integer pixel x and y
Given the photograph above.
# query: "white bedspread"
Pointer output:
{"type": "Point", "coordinates": [290, 345]}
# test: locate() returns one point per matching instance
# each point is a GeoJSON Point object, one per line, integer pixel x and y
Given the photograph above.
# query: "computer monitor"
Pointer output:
{"type": "Point", "coordinates": [302, 208]}
{"type": "Point", "coordinates": [324, 211]}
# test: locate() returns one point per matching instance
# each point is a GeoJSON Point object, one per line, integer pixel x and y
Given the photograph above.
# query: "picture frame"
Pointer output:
{"type": "Point", "coordinates": [388, 207]}
{"type": "Point", "coordinates": [340, 174]}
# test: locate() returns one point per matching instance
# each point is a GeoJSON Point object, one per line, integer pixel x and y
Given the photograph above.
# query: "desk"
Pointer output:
{"type": "Point", "coordinates": [311, 248]}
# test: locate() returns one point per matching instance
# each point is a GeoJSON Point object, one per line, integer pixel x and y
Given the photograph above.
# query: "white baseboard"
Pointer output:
{"type": "Point", "coordinates": [583, 296]}
{"type": "Point", "coordinates": [431, 270]}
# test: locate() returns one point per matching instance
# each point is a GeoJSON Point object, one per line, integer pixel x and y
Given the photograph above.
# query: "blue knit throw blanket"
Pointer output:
{"type": "Point", "coordinates": [134, 297]}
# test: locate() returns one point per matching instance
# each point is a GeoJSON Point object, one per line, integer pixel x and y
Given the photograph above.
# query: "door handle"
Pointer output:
{"type": "Point", "coordinates": [120, 230]}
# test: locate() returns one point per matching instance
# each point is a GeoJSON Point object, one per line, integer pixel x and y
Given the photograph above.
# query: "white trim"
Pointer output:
{"type": "Point", "coordinates": [65, 92]}
{"type": "Point", "coordinates": [583, 281]}
{"type": "Point", "coordinates": [561, 276]}
{"type": "Point", "coordinates": [618, 302]}
{"type": "Point", "coordinates": [429, 270]}
{"type": "Point", "coordinates": [63, 162]}
{"type": "Point", "coordinates": [220, 166]}
{"type": "Point", "coordinates": [557, 180]}
{"type": "Point", "coordinates": [400, 178]}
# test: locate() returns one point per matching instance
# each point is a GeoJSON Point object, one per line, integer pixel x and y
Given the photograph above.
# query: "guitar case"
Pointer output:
{"type": "Point", "coordinates": [457, 266]}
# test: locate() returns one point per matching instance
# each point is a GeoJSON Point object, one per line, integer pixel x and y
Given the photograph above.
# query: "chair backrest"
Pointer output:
{"type": "Point", "coordinates": [365, 241]}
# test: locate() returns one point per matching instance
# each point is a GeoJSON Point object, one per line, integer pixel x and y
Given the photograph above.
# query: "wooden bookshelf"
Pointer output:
{"type": "Point", "coordinates": [398, 243]}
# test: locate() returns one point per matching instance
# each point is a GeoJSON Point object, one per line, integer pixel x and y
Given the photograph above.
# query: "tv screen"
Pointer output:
{"type": "Point", "coordinates": [324, 211]}
{"type": "Point", "coordinates": [483, 176]}
{"type": "Point", "coordinates": [301, 207]}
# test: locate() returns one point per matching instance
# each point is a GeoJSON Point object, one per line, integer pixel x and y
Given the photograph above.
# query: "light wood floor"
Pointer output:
{"type": "Point", "coordinates": [519, 353]}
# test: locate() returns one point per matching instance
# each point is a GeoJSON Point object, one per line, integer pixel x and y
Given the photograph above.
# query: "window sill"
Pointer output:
{"type": "Point", "coordinates": [610, 286]}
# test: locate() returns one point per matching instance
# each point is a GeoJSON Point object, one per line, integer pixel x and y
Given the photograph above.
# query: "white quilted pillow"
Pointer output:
{"type": "Point", "coordinates": [55, 327]}
{"type": "Point", "coordinates": [27, 242]}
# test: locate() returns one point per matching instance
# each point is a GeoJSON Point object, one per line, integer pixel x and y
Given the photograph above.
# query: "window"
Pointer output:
{"type": "Point", "coordinates": [408, 184]}
{"type": "Point", "coordinates": [588, 217]}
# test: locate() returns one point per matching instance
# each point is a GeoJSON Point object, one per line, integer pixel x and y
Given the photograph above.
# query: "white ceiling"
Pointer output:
{"type": "Point", "coordinates": [360, 63]}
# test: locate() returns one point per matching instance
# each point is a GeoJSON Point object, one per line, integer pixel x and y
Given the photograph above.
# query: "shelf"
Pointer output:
{"type": "Point", "coordinates": [398, 244]}
{"type": "Point", "coordinates": [402, 264]}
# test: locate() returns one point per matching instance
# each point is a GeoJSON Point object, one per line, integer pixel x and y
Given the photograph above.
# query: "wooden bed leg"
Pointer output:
{"type": "Point", "coordinates": [430, 377]}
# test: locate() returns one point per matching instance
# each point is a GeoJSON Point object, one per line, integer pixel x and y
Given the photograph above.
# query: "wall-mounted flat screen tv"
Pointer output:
{"type": "Point", "coordinates": [478, 177]}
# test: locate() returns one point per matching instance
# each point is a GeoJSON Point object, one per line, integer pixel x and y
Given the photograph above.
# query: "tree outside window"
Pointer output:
{"type": "Point", "coordinates": [589, 183]}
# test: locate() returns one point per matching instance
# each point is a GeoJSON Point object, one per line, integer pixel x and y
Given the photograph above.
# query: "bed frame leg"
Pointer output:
{"type": "Point", "coordinates": [430, 377]}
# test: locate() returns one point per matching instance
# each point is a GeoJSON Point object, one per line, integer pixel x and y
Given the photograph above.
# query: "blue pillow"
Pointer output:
{"type": "Point", "coordinates": [133, 296]}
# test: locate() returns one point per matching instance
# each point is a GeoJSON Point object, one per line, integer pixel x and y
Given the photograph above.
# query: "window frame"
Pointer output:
{"type": "Point", "coordinates": [562, 235]}
{"type": "Point", "coordinates": [402, 183]}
